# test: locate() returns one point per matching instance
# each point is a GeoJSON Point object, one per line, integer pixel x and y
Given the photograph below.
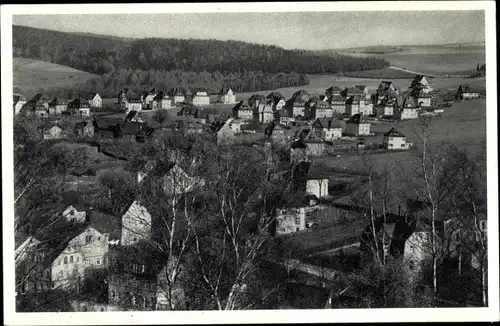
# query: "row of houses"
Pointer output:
{"type": "Point", "coordinates": [156, 100]}
{"type": "Point", "coordinates": [42, 107]}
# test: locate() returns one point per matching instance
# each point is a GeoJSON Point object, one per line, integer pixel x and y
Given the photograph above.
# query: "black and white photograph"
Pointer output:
{"type": "Point", "coordinates": [293, 162]}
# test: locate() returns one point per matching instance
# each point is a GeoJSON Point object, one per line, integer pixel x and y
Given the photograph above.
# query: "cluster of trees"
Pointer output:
{"type": "Point", "coordinates": [108, 85]}
{"type": "Point", "coordinates": [98, 54]}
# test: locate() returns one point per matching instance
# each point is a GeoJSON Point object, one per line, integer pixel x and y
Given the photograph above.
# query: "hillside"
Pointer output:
{"type": "Point", "coordinates": [32, 75]}
{"type": "Point", "coordinates": [105, 54]}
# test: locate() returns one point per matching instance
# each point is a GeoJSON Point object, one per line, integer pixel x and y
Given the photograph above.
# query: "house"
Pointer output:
{"type": "Point", "coordinates": [423, 99]}
{"type": "Point", "coordinates": [314, 141]}
{"type": "Point", "coordinates": [420, 84]}
{"type": "Point", "coordinates": [282, 117]}
{"type": "Point", "coordinates": [278, 100]}
{"type": "Point", "coordinates": [301, 95]}
{"type": "Point", "coordinates": [177, 94]}
{"type": "Point", "coordinates": [409, 109]}
{"type": "Point", "coordinates": [136, 224]}
{"type": "Point", "coordinates": [188, 111]}
{"type": "Point", "coordinates": [243, 111]}
{"type": "Point", "coordinates": [127, 131]}
{"type": "Point", "coordinates": [170, 178]}
{"type": "Point", "coordinates": [352, 105]}
{"type": "Point", "coordinates": [297, 108]}
{"type": "Point", "coordinates": [82, 175]}
{"type": "Point", "coordinates": [278, 134]}
{"type": "Point", "coordinates": [394, 139]}
{"type": "Point", "coordinates": [57, 107]}
{"type": "Point", "coordinates": [123, 99]}
{"type": "Point", "coordinates": [79, 107]}
{"type": "Point", "coordinates": [317, 182]}
{"type": "Point", "coordinates": [366, 106]}
{"type": "Point", "coordinates": [19, 101]}
{"type": "Point", "coordinates": [226, 96]}
{"type": "Point", "coordinates": [96, 101]}
{"type": "Point", "coordinates": [138, 281]}
{"type": "Point", "coordinates": [292, 217]}
{"type": "Point", "coordinates": [417, 249]}
{"type": "Point", "coordinates": [133, 117]}
{"type": "Point", "coordinates": [338, 104]}
{"type": "Point", "coordinates": [201, 98]}
{"type": "Point", "coordinates": [255, 100]}
{"type": "Point", "coordinates": [74, 213]}
{"type": "Point", "coordinates": [148, 99]}
{"type": "Point", "coordinates": [386, 108]}
{"type": "Point", "coordinates": [332, 129]}
{"type": "Point", "coordinates": [134, 104]}
{"type": "Point", "coordinates": [322, 110]}
{"type": "Point", "coordinates": [298, 152]}
{"type": "Point", "coordinates": [226, 132]}
{"type": "Point", "coordinates": [40, 111]}
{"type": "Point", "coordinates": [84, 129]}
{"type": "Point", "coordinates": [52, 131]}
{"type": "Point", "coordinates": [357, 126]}
{"type": "Point", "coordinates": [465, 92]}
{"type": "Point", "coordinates": [386, 89]}
{"type": "Point", "coordinates": [265, 112]}
{"type": "Point", "coordinates": [334, 91]}
{"type": "Point", "coordinates": [360, 90]}
{"type": "Point", "coordinates": [87, 250]}
{"type": "Point", "coordinates": [161, 102]}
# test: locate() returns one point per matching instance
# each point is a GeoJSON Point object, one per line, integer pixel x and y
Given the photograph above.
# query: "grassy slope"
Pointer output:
{"type": "Point", "coordinates": [30, 75]}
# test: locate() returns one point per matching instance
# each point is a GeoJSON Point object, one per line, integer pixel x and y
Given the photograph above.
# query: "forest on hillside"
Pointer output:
{"type": "Point", "coordinates": [138, 81]}
{"type": "Point", "coordinates": [164, 63]}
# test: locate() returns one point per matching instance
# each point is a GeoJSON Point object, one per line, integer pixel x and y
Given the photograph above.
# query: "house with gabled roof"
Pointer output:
{"type": "Point", "coordinates": [162, 101]}
{"type": "Point", "coordinates": [283, 117]}
{"type": "Point", "coordinates": [291, 217]}
{"type": "Point", "coordinates": [57, 107]}
{"type": "Point", "coordinates": [466, 92]}
{"type": "Point", "coordinates": [394, 139]}
{"type": "Point", "coordinates": [256, 99]}
{"type": "Point", "coordinates": [420, 84]}
{"type": "Point", "coordinates": [357, 126]}
{"type": "Point", "coordinates": [265, 111]}
{"type": "Point", "coordinates": [338, 104]}
{"type": "Point", "coordinates": [331, 129]}
{"type": "Point", "coordinates": [334, 91]}
{"type": "Point", "coordinates": [296, 107]}
{"type": "Point", "coordinates": [298, 152]}
{"type": "Point", "coordinates": [226, 96]}
{"type": "Point", "coordinates": [133, 117]}
{"type": "Point", "coordinates": [409, 110]}
{"type": "Point", "coordinates": [322, 110]}
{"type": "Point", "coordinates": [136, 223]}
{"type": "Point", "coordinates": [352, 104]}
{"type": "Point", "coordinates": [19, 101]}
{"type": "Point", "coordinates": [178, 95]}
{"type": "Point", "coordinates": [201, 98]}
{"type": "Point", "coordinates": [52, 131]}
{"type": "Point", "coordinates": [243, 111]}
{"type": "Point", "coordinates": [96, 101]}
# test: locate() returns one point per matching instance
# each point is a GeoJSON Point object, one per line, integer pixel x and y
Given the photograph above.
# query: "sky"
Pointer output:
{"type": "Point", "coordinates": [290, 30]}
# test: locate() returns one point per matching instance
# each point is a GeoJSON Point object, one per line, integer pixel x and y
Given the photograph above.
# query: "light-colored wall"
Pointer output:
{"type": "Point", "coordinates": [136, 224]}
{"type": "Point", "coordinates": [134, 106]}
{"type": "Point", "coordinates": [409, 113]}
{"type": "Point", "coordinates": [332, 133]}
{"type": "Point", "coordinates": [298, 111]}
{"type": "Point", "coordinates": [323, 113]}
{"type": "Point", "coordinates": [395, 142]}
{"type": "Point", "coordinates": [467, 96]}
{"type": "Point", "coordinates": [201, 100]}
{"type": "Point", "coordinates": [291, 220]}
{"type": "Point", "coordinates": [71, 214]}
{"type": "Point", "coordinates": [79, 255]}
{"type": "Point", "coordinates": [424, 101]}
{"type": "Point", "coordinates": [352, 109]}
{"type": "Point", "coordinates": [417, 249]}
{"type": "Point", "coordinates": [317, 187]}
{"type": "Point", "coordinates": [245, 114]}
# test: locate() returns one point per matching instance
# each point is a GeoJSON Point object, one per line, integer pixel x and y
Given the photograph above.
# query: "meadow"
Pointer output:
{"type": "Point", "coordinates": [31, 75]}
{"type": "Point", "coordinates": [442, 60]}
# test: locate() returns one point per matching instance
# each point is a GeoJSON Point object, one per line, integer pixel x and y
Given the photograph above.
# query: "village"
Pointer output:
{"type": "Point", "coordinates": [319, 219]}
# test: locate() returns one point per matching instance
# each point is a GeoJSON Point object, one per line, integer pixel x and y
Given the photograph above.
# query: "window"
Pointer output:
{"type": "Point", "coordinates": [72, 212]}
{"type": "Point", "coordinates": [391, 145]}
{"type": "Point", "coordinates": [143, 268]}
{"type": "Point", "coordinates": [112, 294]}
{"type": "Point", "coordinates": [88, 239]}
{"type": "Point", "coordinates": [297, 220]}
{"type": "Point", "coordinates": [412, 265]}
{"type": "Point", "coordinates": [65, 260]}
{"type": "Point", "coordinates": [403, 145]}
{"type": "Point", "coordinates": [71, 259]}
{"type": "Point", "coordinates": [297, 229]}
{"type": "Point", "coordinates": [77, 258]}
{"type": "Point", "coordinates": [98, 262]}
{"type": "Point", "coordinates": [98, 238]}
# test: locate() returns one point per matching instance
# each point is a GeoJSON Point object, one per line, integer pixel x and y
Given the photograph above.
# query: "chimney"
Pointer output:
{"type": "Point", "coordinates": [329, 124]}
{"type": "Point", "coordinates": [399, 210]}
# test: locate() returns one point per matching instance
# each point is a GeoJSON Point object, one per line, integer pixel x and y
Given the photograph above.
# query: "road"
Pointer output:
{"type": "Point", "coordinates": [412, 72]}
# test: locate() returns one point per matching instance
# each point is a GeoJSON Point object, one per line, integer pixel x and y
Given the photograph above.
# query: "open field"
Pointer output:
{"type": "Point", "coordinates": [429, 59]}
{"type": "Point", "coordinates": [30, 75]}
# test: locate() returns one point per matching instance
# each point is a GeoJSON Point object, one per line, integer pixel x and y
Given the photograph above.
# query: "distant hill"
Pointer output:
{"type": "Point", "coordinates": [32, 75]}
{"type": "Point", "coordinates": [104, 54]}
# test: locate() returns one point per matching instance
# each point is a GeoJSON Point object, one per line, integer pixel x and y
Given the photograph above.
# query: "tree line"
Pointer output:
{"type": "Point", "coordinates": [99, 54]}
{"type": "Point", "coordinates": [137, 81]}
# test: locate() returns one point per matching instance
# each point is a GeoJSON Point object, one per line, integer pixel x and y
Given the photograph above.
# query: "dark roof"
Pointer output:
{"type": "Point", "coordinates": [177, 91]}
{"type": "Point", "coordinates": [394, 133]}
{"type": "Point", "coordinates": [334, 89]}
{"type": "Point", "coordinates": [465, 88]}
{"type": "Point", "coordinates": [105, 223]}
{"type": "Point", "coordinates": [322, 105]}
{"type": "Point", "coordinates": [275, 95]}
{"type": "Point", "coordinates": [253, 125]}
{"type": "Point", "coordinates": [317, 124]}
{"type": "Point", "coordinates": [330, 123]}
{"type": "Point", "coordinates": [355, 119]}
{"type": "Point", "coordinates": [353, 99]}
{"type": "Point", "coordinates": [410, 101]}
{"type": "Point", "coordinates": [130, 128]}
{"type": "Point", "coordinates": [337, 98]}
{"type": "Point", "coordinates": [282, 113]}
{"type": "Point", "coordinates": [242, 105]}
{"type": "Point", "coordinates": [224, 90]}
{"type": "Point", "coordinates": [188, 110]}
{"type": "Point", "coordinates": [130, 115]}
{"type": "Point", "coordinates": [298, 144]}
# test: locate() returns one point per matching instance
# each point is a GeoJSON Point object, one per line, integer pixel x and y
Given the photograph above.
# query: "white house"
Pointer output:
{"type": "Point", "coordinates": [201, 98]}
{"type": "Point", "coordinates": [352, 105]}
{"type": "Point", "coordinates": [226, 96]}
{"type": "Point", "coordinates": [136, 224]}
{"type": "Point", "coordinates": [317, 187]}
{"type": "Point", "coordinates": [74, 214]}
{"type": "Point", "coordinates": [409, 113]}
{"type": "Point", "coordinates": [162, 102]}
{"type": "Point", "coordinates": [265, 112]}
{"type": "Point", "coordinates": [134, 105]}
{"type": "Point", "coordinates": [96, 101]}
{"type": "Point", "coordinates": [289, 220]}
{"type": "Point", "coordinates": [243, 111]}
{"type": "Point", "coordinates": [465, 92]}
{"type": "Point", "coordinates": [332, 130]}
{"type": "Point", "coordinates": [394, 139]}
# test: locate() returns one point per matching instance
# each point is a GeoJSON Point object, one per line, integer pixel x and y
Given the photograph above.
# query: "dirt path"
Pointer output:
{"type": "Point", "coordinates": [413, 72]}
